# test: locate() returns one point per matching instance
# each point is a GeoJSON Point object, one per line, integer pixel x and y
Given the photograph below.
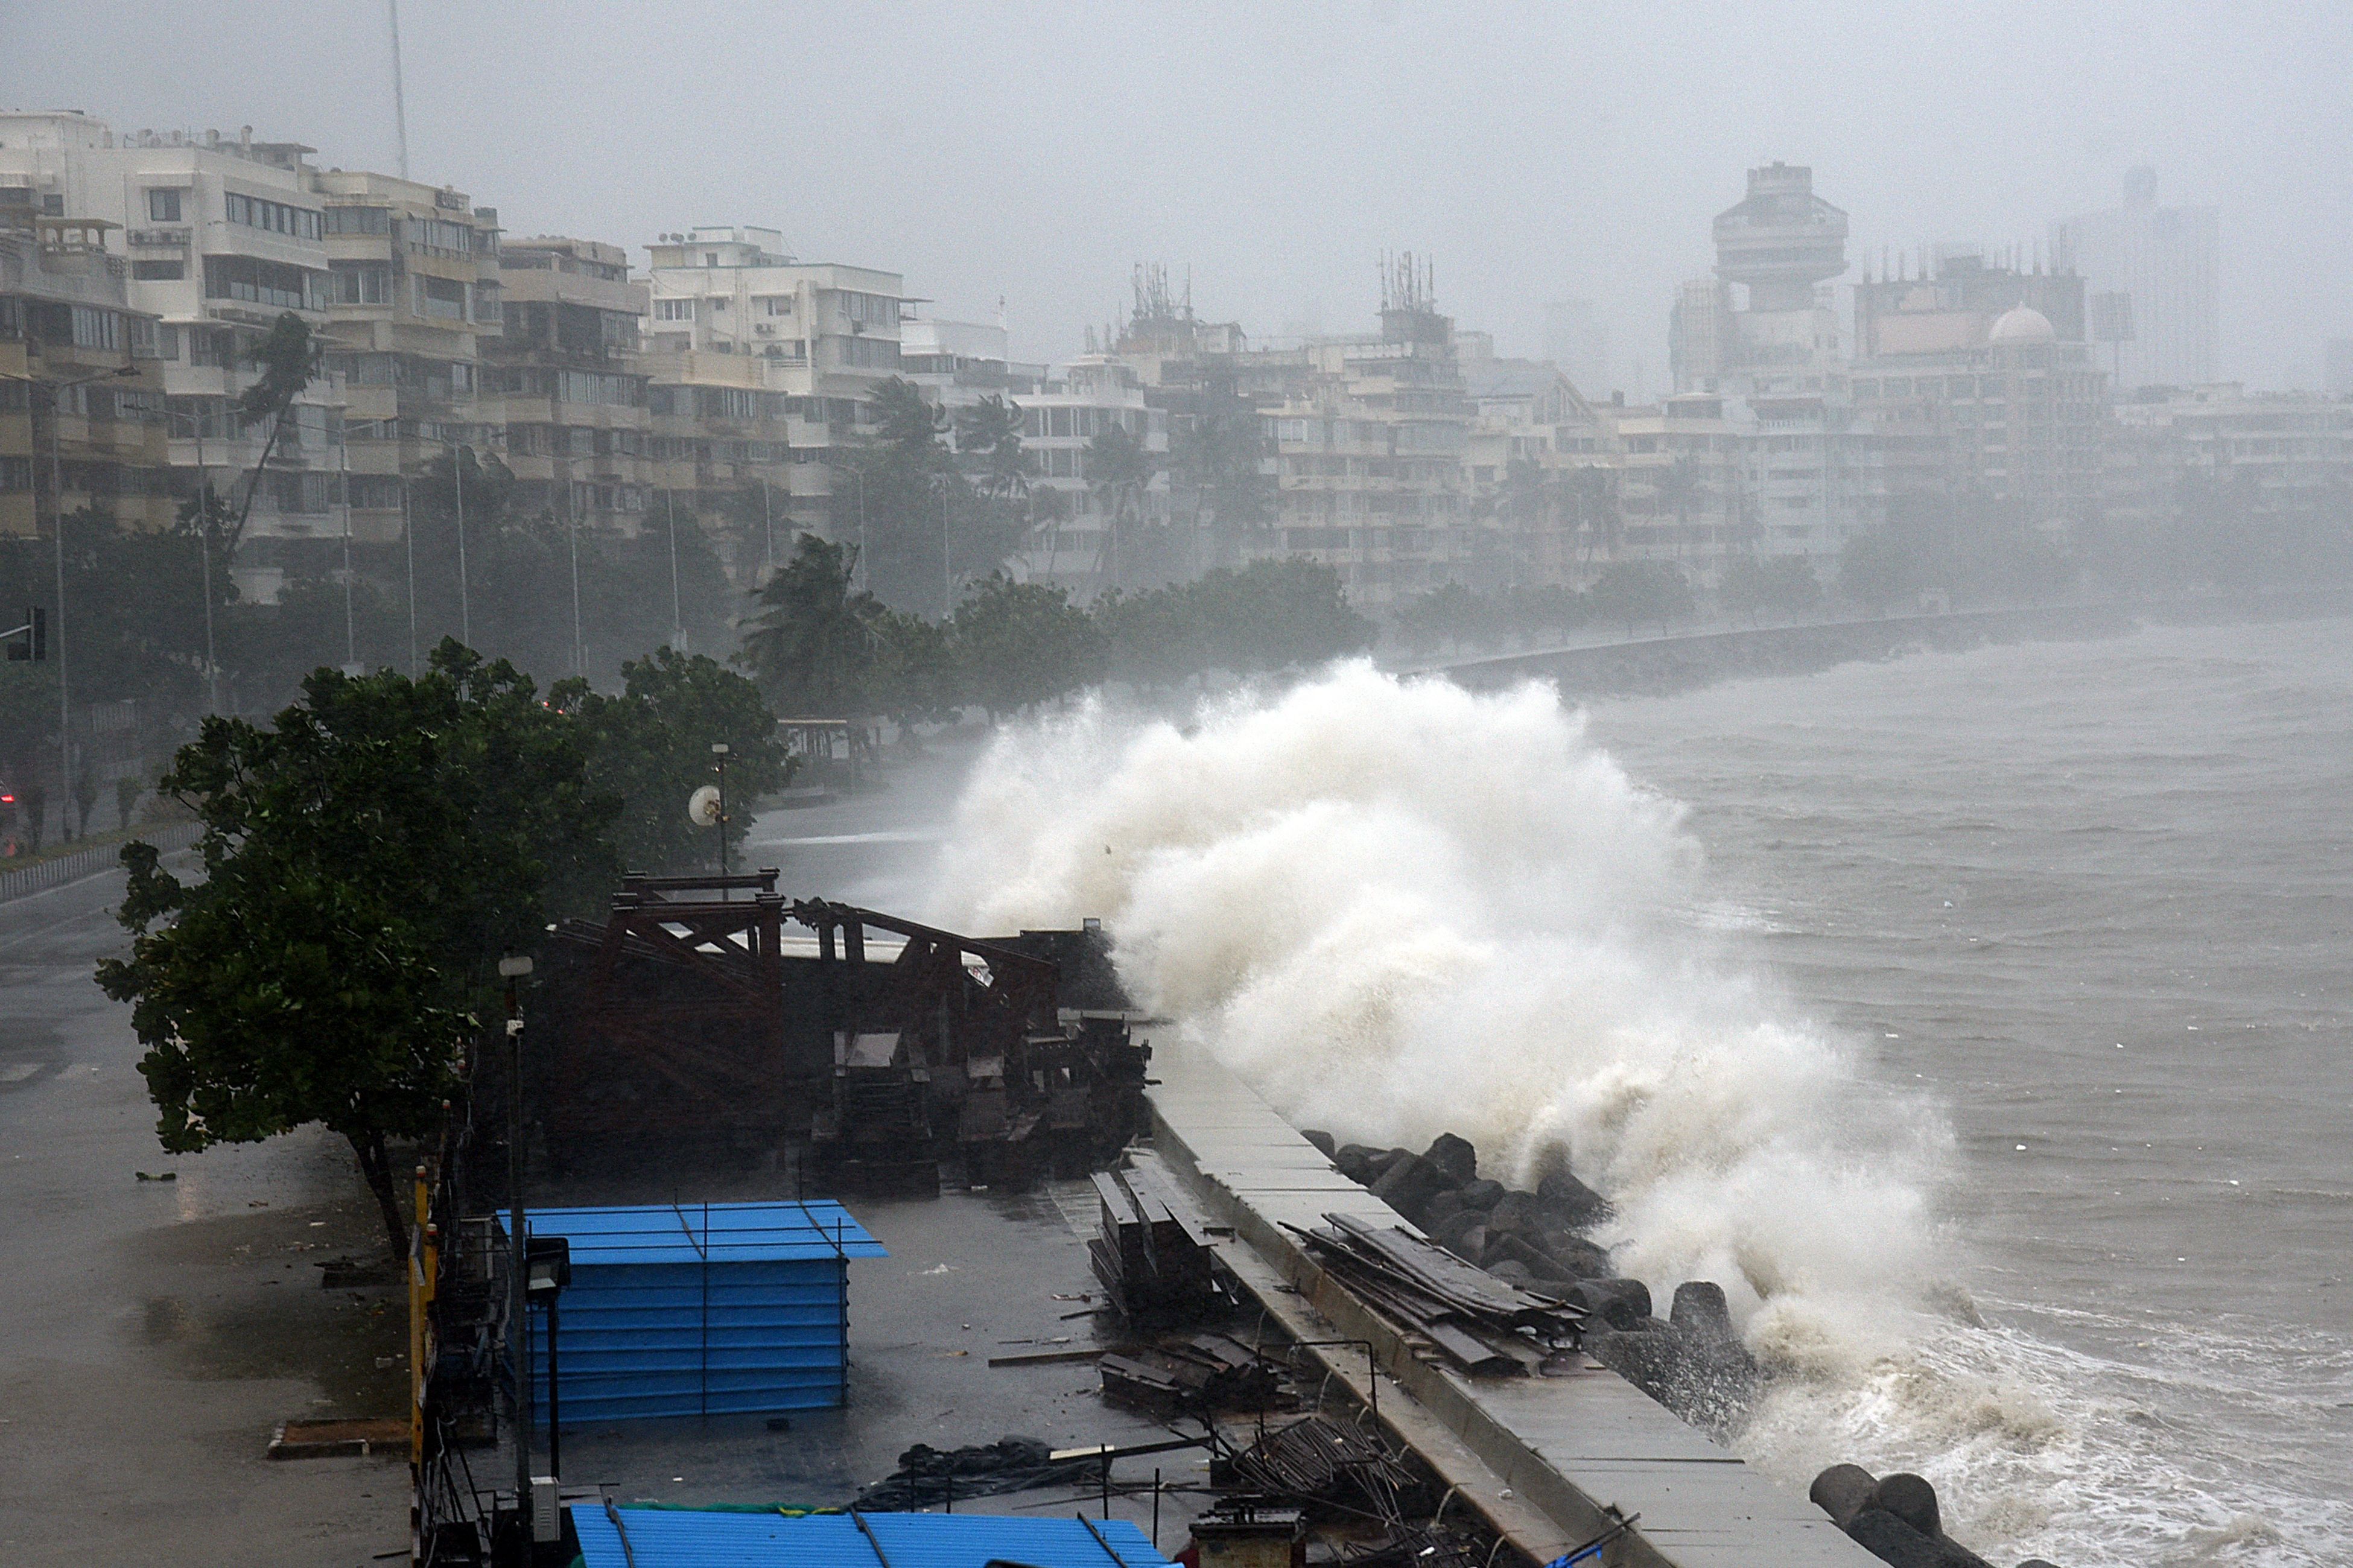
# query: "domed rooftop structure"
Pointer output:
{"type": "Point", "coordinates": [2022, 324]}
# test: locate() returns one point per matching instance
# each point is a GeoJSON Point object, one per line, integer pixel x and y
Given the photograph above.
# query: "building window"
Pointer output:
{"type": "Point", "coordinates": [443, 299]}
{"type": "Point", "coordinates": [16, 475]}
{"type": "Point", "coordinates": [359, 220]}
{"type": "Point", "coordinates": [159, 271]}
{"type": "Point", "coordinates": [274, 217]}
{"type": "Point", "coordinates": [486, 302]}
{"type": "Point", "coordinates": [259, 282]}
{"type": "Point", "coordinates": [869, 310]}
{"type": "Point", "coordinates": [869, 353]}
{"type": "Point", "coordinates": [673, 310]}
{"type": "Point", "coordinates": [777, 304]}
{"type": "Point", "coordinates": [96, 328]}
{"type": "Point", "coordinates": [362, 283]}
{"type": "Point", "coordinates": [163, 206]}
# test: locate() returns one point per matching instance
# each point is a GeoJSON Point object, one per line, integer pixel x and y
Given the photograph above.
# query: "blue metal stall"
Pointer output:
{"type": "Point", "coordinates": [700, 1309]}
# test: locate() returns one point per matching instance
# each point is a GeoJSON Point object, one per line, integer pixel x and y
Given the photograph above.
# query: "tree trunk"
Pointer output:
{"type": "Point", "coordinates": [376, 1166]}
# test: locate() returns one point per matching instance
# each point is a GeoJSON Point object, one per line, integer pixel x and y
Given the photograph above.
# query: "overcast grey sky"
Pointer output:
{"type": "Point", "coordinates": [1537, 152]}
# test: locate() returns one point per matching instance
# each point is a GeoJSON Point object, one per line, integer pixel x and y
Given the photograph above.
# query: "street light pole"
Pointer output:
{"type": "Point", "coordinates": [465, 602]}
{"type": "Point", "coordinates": [344, 484]}
{"type": "Point", "coordinates": [64, 705]}
{"type": "Point", "coordinates": [513, 969]}
{"type": "Point", "coordinates": [719, 756]}
{"type": "Point", "coordinates": [677, 620]}
{"type": "Point", "coordinates": [58, 507]}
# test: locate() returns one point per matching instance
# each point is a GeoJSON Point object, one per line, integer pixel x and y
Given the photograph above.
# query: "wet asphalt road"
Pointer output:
{"type": "Point", "coordinates": [153, 1333]}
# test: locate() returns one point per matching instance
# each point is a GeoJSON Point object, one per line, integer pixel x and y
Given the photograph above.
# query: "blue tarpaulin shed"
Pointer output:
{"type": "Point", "coordinates": [700, 1309]}
{"type": "Point", "coordinates": [679, 1538]}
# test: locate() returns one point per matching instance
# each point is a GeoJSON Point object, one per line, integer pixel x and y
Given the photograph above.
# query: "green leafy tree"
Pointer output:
{"type": "Point", "coordinates": [1217, 454]}
{"type": "Point", "coordinates": [366, 861]}
{"type": "Point", "coordinates": [652, 749]}
{"type": "Point", "coordinates": [905, 483]}
{"type": "Point", "coordinates": [1287, 614]}
{"type": "Point", "coordinates": [811, 641]}
{"type": "Point", "coordinates": [1019, 644]}
{"type": "Point", "coordinates": [988, 438]}
{"type": "Point", "coordinates": [1632, 593]}
{"type": "Point", "coordinates": [1119, 471]}
{"type": "Point", "coordinates": [1878, 567]}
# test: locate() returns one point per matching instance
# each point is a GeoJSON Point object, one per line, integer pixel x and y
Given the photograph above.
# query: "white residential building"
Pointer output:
{"type": "Point", "coordinates": [761, 366]}
{"type": "Point", "coordinates": [221, 234]}
{"type": "Point", "coordinates": [1091, 535]}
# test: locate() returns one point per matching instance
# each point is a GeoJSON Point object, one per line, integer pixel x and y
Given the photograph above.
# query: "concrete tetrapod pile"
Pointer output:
{"type": "Point", "coordinates": [1689, 1362]}
{"type": "Point", "coordinates": [1894, 1518]}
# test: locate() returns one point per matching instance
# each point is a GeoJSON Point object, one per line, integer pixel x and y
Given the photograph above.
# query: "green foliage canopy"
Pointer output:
{"type": "Point", "coordinates": [367, 859]}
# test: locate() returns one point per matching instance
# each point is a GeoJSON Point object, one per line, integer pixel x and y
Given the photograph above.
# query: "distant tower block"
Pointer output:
{"type": "Point", "coordinates": [1782, 240]}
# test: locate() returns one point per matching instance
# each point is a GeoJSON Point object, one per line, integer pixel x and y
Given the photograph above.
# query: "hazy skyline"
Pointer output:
{"type": "Point", "coordinates": [1038, 153]}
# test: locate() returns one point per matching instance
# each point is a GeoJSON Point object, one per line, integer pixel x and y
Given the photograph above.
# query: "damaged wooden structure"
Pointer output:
{"type": "Point", "coordinates": [873, 1048]}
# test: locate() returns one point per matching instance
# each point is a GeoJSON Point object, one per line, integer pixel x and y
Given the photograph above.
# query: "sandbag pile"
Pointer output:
{"type": "Point", "coordinates": [1894, 1518]}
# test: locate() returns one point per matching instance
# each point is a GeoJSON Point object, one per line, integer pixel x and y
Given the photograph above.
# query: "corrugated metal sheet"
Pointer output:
{"type": "Point", "coordinates": [668, 1537]}
{"type": "Point", "coordinates": [728, 1308]}
{"type": "Point", "coordinates": [696, 1233]}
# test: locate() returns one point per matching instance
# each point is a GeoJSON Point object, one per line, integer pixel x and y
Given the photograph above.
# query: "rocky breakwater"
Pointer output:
{"type": "Point", "coordinates": [1690, 1361]}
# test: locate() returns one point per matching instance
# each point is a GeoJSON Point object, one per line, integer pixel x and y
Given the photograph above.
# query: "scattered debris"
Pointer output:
{"type": "Point", "coordinates": [164, 1176]}
{"type": "Point", "coordinates": [1322, 1461]}
{"type": "Point", "coordinates": [1485, 1325]}
{"type": "Point", "coordinates": [928, 1477]}
{"type": "Point", "coordinates": [1156, 1266]}
{"type": "Point", "coordinates": [1203, 1373]}
{"type": "Point", "coordinates": [325, 1439]}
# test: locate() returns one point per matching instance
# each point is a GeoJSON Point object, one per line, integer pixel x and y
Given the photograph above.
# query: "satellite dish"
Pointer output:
{"type": "Point", "coordinates": [702, 806]}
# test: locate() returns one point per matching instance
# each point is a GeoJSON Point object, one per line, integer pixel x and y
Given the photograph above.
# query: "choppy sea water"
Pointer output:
{"type": "Point", "coordinates": [1981, 1020]}
{"type": "Point", "coordinates": [2097, 899]}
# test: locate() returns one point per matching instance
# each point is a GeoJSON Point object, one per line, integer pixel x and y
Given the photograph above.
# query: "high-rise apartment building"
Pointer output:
{"type": "Point", "coordinates": [2251, 457]}
{"type": "Point", "coordinates": [564, 379]}
{"type": "Point", "coordinates": [79, 389]}
{"type": "Point", "coordinates": [1763, 336]}
{"type": "Point", "coordinates": [1369, 448]}
{"type": "Point", "coordinates": [1984, 393]}
{"type": "Point", "coordinates": [762, 367]}
{"type": "Point", "coordinates": [414, 270]}
{"type": "Point", "coordinates": [2168, 261]}
{"type": "Point", "coordinates": [219, 236]}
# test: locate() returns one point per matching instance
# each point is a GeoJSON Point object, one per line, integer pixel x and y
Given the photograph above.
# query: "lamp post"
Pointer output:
{"type": "Point", "coordinates": [205, 549]}
{"type": "Point", "coordinates": [677, 621]}
{"type": "Point", "coordinates": [513, 969]}
{"type": "Point", "coordinates": [465, 601]}
{"type": "Point", "coordinates": [719, 756]}
{"type": "Point", "coordinates": [57, 507]}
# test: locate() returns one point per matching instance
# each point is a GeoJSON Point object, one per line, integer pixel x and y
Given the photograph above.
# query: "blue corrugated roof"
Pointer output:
{"type": "Point", "coordinates": [701, 1232]}
{"type": "Point", "coordinates": [675, 1538]}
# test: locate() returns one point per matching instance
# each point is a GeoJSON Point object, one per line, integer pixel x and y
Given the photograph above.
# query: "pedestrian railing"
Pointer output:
{"type": "Point", "coordinates": [57, 871]}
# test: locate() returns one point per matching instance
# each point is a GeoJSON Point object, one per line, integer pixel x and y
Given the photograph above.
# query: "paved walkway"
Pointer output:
{"type": "Point", "coordinates": [156, 1332]}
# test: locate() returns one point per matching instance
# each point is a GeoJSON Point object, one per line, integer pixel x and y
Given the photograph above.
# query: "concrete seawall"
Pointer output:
{"type": "Point", "coordinates": [1652, 666]}
{"type": "Point", "coordinates": [1543, 1459]}
{"type": "Point", "coordinates": [1684, 661]}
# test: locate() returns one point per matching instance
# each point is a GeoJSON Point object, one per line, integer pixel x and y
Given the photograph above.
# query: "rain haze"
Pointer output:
{"type": "Point", "coordinates": [1385, 785]}
{"type": "Point", "coordinates": [1034, 154]}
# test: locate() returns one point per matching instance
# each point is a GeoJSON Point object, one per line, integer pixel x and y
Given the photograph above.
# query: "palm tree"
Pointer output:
{"type": "Point", "coordinates": [989, 436]}
{"type": "Point", "coordinates": [1118, 471]}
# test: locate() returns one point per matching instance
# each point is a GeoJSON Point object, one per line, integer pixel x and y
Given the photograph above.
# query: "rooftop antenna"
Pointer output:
{"type": "Point", "coordinates": [399, 98]}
